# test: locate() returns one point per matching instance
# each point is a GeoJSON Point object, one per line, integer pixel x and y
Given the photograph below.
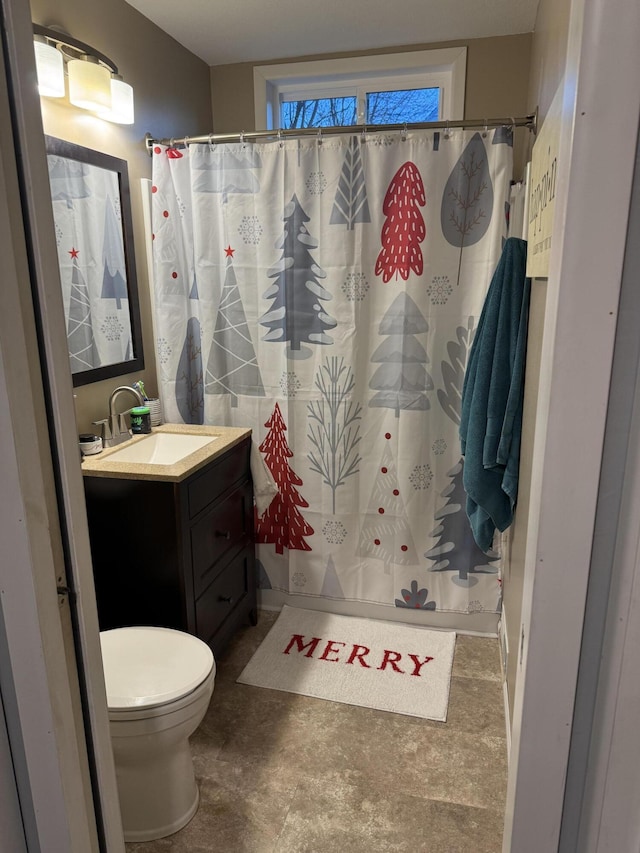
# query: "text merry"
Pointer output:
{"type": "Point", "coordinates": [351, 653]}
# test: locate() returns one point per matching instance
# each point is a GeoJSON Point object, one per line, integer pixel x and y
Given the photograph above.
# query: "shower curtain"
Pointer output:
{"type": "Point", "coordinates": [325, 292]}
{"type": "Point", "coordinates": [91, 255]}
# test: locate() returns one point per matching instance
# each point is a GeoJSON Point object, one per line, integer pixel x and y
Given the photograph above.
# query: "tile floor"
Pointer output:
{"type": "Point", "coordinates": [281, 773]}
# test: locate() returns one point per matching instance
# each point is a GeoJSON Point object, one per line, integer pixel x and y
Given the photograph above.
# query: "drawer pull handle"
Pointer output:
{"type": "Point", "coordinates": [227, 599]}
{"type": "Point", "coordinates": [223, 534]}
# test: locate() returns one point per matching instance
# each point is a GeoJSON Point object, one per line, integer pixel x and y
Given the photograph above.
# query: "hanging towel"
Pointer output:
{"type": "Point", "coordinates": [492, 398]}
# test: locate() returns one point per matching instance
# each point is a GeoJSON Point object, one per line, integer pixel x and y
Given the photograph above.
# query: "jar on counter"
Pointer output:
{"type": "Point", "coordinates": [140, 420]}
{"type": "Point", "coordinates": [90, 444]}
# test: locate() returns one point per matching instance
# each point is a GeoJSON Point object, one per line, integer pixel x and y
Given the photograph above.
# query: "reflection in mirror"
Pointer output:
{"type": "Point", "coordinates": [92, 215]}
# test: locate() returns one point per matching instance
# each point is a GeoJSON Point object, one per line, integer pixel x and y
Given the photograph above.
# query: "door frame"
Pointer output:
{"type": "Point", "coordinates": [601, 108]}
{"type": "Point", "coordinates": [50, 661]}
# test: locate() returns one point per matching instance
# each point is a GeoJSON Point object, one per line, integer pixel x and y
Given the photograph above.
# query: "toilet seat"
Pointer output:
{"type": "Point", "coordinates": [145, 667]}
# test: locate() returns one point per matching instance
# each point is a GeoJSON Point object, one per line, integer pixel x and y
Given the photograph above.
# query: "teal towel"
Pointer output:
{"type": "Point", "coordinates": [492, 398]}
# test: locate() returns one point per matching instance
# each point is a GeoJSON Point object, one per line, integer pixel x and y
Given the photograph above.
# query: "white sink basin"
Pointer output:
{"type": "Point", "coordinates": [161, 448]}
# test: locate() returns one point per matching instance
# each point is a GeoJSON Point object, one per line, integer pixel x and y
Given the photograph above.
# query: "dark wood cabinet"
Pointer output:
{"type": "Point", "coordinates": [179, 555]}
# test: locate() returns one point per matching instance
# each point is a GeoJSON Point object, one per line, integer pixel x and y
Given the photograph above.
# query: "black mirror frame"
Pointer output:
{"type": "Point", "coordinates": [71, 151]}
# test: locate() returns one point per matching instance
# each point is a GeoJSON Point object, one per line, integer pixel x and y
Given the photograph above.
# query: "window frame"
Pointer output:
{"type": "Point", "coordinates": [444, 68]}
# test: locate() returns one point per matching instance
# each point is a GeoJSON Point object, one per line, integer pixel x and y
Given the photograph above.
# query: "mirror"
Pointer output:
{"type": "Point", "coordinates": [94, 235]}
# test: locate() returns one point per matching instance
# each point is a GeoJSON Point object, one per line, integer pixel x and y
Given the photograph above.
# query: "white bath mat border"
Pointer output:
{"type": "Point", "coordinates": [385, 665]}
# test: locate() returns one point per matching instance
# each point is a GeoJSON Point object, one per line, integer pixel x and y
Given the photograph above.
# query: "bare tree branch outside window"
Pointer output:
{"type": "Point", "coordinates": [394, 107]}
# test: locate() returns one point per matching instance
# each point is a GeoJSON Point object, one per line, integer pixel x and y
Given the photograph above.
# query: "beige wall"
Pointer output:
{"type": "Point", "coordinates": [497, 84]}
{"type": "Point", "coordinates": [549, 52]}
{"type": "Point", "coordinates": [172, 98]}
{"type": "Point", "coordinates": [548, 57]}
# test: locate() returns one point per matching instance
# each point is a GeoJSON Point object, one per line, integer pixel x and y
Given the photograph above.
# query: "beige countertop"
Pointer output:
{"type": "Point", "coordinates": [100, 465]}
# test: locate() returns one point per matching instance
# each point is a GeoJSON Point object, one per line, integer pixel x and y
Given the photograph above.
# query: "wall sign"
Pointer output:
{"type": "Point", "coordinates": [542, 190]}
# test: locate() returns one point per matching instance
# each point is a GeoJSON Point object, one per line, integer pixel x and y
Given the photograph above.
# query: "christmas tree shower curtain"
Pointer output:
{"type": "Point", "coordinates": [325, 293]}
{"type": "Point", "coordinates": [93, 273]}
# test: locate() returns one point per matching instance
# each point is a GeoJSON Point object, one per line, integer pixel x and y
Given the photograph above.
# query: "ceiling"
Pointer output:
{"type": "Point", "coordinates": [226, 31]}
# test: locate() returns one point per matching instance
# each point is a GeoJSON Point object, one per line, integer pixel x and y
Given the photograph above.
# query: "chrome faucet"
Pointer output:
{"type": "Point", "coordinates": [114, 428]}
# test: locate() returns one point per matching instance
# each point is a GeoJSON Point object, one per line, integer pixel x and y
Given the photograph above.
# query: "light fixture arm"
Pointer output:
{"type": "Point", "coordinates": [79, 48]}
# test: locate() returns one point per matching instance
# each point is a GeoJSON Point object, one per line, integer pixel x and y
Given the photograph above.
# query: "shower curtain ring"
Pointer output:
{"type": "Point", "coordinates": [403, 135]}
{"type": "Point", "coordinates": [446, 129]}
{"type": "Point", "coordinates": [211, 140]}
{"type": "Point", "coordinates": [364, 133]}
{"type": "Point", "coordinates": [484, 132]}
{"type": "Point", "coordinates": [242, 138]}
{"type": "Point", "coordinates": [319, 136]}
{"type": "Point", "coordinates": [172, 142]}
{"type": "Point", "coordinates": [280, 137]}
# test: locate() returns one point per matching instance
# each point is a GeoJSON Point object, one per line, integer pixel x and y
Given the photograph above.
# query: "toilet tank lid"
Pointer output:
{"type": "Point", "coordinates": [146, 666]}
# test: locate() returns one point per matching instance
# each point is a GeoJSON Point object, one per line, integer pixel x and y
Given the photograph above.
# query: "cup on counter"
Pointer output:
{"type": "Point", "coordinates": [90, 444]}
{"type": "Point", "coordinates": [140, 420]}
{"type": "Point", "coordinates": [155, 411]}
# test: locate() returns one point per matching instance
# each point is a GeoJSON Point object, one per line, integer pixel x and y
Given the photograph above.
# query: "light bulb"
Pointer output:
{"type": "Point", "coordinates": [89, 84]}
{"type": "Point", "coordinates": [50, 68]}
{"type": "Point", "coordinates": [121, 110]}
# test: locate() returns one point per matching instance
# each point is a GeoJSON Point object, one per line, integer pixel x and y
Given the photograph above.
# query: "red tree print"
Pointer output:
{"type": "Point", "coordinates": [403, 229]}
{"type": "Point", "coordinates": [282, 523]}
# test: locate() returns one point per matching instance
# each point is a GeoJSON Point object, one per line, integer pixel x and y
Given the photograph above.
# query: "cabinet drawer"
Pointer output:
{"type": "Point", "coordinates": [222, 596]}
{"type": "Point", "coordinates": [214, 481]}
{"type": "Point", "coordinates": [225, 527]}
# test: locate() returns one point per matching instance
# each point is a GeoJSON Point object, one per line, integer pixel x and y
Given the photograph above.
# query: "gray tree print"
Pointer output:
{"type": "Point", "coordinates": [230, 171]}
{"type": "Point", "coordinates": [331, 587]}
{"type": "Point", "coordinates": [415, 598]}
{"type": "Point", "coordinates": [68, 179]}
{"type": "Point", "coordinates": [334, 430]}
{"type": "Point", "coordinates": [296, 315]}
{"type": "Point", "coordinates": [232, 367]}
{"type": "Point", "coordinates": [83, 353]}
{"type": "Point", "coordinates": [350, 204]}
{"type": "Point", "coordinates": [114, 279]}
{"type": "Point", "coordinates": [385, 533]}
{"type": "Point", "coordinates": [401, 380]}
{"type": "Point", "coordinates": [189, 380]}
{"type": "Point", "coordinates": [467, 200]}
{"type": "Point", "coordinates": [456, 549]}
{"type": "Point", "coordinates": [450, 397]}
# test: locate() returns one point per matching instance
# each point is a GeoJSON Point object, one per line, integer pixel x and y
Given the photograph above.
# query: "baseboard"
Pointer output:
{"type": "Point", "coordinates": [503, 642]}
{"type": "Point", "coordinates": [507, 719]}
{"type": "Point", "coordinates": [503, 636]}
{"type": "Point", "coordinates": [474, 624]}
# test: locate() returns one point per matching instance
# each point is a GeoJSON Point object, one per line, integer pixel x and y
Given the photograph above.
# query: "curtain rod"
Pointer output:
{"type": "Point", "coordinates": [529, 121]}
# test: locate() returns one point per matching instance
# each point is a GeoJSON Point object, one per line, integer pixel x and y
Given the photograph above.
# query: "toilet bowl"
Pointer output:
{"type": "Point", "coordinates": [159, 682]}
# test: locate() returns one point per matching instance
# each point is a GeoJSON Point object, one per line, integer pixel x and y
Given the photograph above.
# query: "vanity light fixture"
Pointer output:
{"type": "Point", "coordinates": [94, 82]}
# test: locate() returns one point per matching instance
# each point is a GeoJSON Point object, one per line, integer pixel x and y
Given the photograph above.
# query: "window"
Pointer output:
{"type": "Point", "coordinates": [387, 106]}
{"type": "Point", "coordinates": [386, 89]}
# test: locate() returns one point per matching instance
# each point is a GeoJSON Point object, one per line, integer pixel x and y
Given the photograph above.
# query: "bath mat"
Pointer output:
{"type": "Point", "coordinates": [366, 662]}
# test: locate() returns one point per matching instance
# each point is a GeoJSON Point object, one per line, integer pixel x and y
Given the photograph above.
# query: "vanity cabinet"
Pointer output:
{"type": "Point", "coordinates": [176, 554]}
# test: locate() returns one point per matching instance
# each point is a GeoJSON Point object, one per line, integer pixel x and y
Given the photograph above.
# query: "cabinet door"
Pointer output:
{"type": "Point", "coordinates": [226, 527]}
{"type": "Point", "coordinates": [230, 596]}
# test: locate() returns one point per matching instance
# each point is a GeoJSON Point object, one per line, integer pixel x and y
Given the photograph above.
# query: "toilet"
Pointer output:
{"type": "Point", "coordinates": [159, 682]}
